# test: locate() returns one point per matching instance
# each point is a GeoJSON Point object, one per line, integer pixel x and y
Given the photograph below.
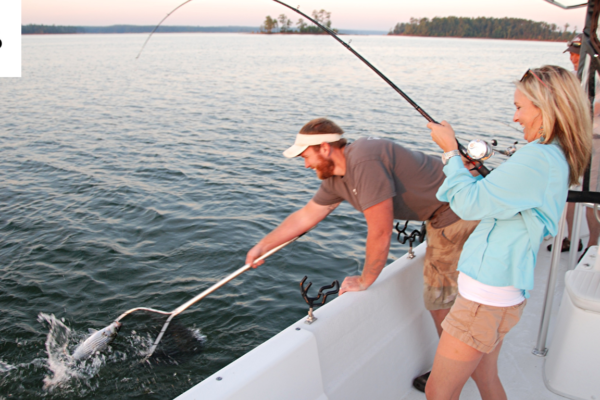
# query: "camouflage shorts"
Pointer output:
{"type": "Point", "coordinates": [444, 246]}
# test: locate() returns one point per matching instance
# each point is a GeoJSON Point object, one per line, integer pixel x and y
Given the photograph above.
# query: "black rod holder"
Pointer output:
{"type": "Point", "coordinates": [321, 295]}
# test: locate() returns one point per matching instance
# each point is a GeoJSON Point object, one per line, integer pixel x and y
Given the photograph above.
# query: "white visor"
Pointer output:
{"type": "Point", "coordinates": [303, 141]}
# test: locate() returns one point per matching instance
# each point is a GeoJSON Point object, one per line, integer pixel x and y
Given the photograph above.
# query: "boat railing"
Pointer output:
{"type": "Point", "coordinates": [540, 349]}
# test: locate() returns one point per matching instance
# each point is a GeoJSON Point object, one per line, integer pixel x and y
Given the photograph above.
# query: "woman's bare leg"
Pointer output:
{"type": "Point", "coordinates": [486, 376]}
{"type": "Point", "coordinates": [454, 363]}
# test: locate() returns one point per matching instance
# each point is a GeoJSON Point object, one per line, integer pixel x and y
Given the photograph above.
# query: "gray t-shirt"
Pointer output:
{"type": "Point", "coordinates": [377, 169]}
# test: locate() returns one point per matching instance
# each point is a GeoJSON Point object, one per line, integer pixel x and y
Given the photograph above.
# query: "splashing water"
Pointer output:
{"type": "Point", "coordinates": [5, 367]}
{"type": "Point", "coordinates": [198, 335]}
{"type": "Point", "coordinates": [78, 377]}
{"type": "Point", "coordinates": [59, 361]}
{"type": "Point", "coordinates": [66, 373]}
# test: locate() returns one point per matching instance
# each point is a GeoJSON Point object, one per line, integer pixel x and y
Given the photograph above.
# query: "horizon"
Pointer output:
{"type": "Point", "coordinates": [376, 15]}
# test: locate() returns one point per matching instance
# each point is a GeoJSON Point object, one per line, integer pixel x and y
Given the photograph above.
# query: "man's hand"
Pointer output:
{"type": "Point", "coordinates": [253, 254]}
{"type": "Point", "coordinates": [380, 218]}
{"type": "Point", "coordinates": [353, 284]}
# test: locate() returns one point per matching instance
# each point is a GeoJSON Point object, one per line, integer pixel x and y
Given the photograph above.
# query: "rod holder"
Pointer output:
{"type": "Point", "coordinates": [321, 295]}
{"type": "Point", "coordinates": [416, 234]}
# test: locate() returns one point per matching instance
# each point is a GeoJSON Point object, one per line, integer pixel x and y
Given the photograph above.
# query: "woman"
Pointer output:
{"type": "Point", "coordinates": [518, 204]}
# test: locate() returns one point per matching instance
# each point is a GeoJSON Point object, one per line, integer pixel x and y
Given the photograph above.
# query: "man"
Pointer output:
{"type": "Point", "coordinates": [574, 47]}
{"type": "Point", "coordinates": [384, 181]}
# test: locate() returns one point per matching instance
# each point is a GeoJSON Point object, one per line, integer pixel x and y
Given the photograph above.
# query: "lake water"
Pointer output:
{"type": "Point", "coordinates": [129, 183]}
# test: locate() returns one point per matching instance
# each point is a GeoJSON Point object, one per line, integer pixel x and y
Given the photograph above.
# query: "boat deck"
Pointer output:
{"type": "Point", "coordinates": [521, 372]}
{"type": "Point", "coordinates": [372, 344]}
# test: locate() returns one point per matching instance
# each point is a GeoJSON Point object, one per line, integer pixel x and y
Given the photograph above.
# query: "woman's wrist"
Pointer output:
{"type": "Point", "coordinates": [447, 155]}
{"type": "Point", "coordinates": [449, 147]}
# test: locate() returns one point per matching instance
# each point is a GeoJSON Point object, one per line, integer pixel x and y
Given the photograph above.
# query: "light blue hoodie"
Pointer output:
{"type": "Point", "coordinates": [518, 204]}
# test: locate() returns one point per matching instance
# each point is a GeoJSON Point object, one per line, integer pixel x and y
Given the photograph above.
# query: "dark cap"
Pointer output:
{"type": "Point", "coordinates": [574, 45]}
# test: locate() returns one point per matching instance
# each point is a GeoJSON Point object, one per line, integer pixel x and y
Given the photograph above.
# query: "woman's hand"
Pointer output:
{"type": "Point", "coordinates": [443, 135]}
{"type": "Point", "coordinates": [468, 165]}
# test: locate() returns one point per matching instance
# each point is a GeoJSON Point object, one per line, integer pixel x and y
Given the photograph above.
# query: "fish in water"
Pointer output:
{"type": "Point", "coordinates": [98, 341]}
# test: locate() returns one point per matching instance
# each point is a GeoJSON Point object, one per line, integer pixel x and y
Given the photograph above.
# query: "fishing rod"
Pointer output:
{"type": "Point", "coordinates": [477, 164]}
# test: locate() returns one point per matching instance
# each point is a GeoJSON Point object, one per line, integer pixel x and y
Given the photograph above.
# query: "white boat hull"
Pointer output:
{"type": "Point", "coordinates": [371, 344]}
{"type": "Point", "coordinates": [359, 347]}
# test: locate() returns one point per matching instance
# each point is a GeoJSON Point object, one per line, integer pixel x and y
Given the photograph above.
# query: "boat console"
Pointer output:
{"type": "Point", "coordinates": [571, 366]}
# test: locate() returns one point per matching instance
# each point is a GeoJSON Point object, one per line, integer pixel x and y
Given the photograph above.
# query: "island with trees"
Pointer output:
{"type": "Point", "coordinates": [283, 24]}
{"type": "Point", "coordinates": [482, 27]}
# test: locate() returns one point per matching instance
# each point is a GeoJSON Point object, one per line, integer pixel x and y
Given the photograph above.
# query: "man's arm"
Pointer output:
{"type": "Point", "coordinates": [295, 224]}
{"type": "Point", "coordinates": [380, 219]}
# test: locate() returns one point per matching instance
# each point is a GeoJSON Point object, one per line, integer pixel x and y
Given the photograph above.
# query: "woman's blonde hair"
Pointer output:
{"type": "Point", "coordinates": [566, 113]}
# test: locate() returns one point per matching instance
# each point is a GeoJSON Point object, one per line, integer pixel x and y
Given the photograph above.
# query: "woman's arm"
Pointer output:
{"type": "Point", "coordinates": [520, 183]}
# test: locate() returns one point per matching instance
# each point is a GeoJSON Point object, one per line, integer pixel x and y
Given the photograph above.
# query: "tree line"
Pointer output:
{"type": "Point", "coordinates": [482, 27]}
{"type": "Point", "coordinates": [55, 29]}
{"type": "Point", "coordinates": [40, 29]}
{"type": "Point", "coordinates": [283, 24]}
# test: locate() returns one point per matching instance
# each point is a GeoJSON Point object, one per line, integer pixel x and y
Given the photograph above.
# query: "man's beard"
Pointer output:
{"type": "Point", "coordinates": [324, 168]}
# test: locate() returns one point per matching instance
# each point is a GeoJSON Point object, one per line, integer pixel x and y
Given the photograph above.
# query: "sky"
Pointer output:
{"type": "Point", "coordinates": [345, 14]}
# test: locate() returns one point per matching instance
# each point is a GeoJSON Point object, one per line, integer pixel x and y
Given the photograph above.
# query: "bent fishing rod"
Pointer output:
{"type": "Point", "coordinates": [477, 164]}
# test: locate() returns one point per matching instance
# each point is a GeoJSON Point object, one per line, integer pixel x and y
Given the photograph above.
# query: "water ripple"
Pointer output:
{"type": "Point", "coordinates": [130, 183]}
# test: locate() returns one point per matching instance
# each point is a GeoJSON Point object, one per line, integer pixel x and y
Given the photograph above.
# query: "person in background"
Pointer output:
{"type": "Point", "coordinates": [518, 203]}
{"type": "Point", "coordinates": [574, 47]}
{"type": "Point", "coordinates": [384, 181]}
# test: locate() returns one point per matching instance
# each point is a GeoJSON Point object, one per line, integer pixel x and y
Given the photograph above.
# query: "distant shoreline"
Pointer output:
{"type": "Point", "coordinates": [483, 27]}
{"type": "Point", "coordinates": [487, 38]}
{"type": "Point", "coordinates": [146, 29]}
{"type": "Point", "coordinates": [81, 29]}
{"type": "Point", "coordinates": [33, 29]}
{"type": "Point", "coordinates": [304, 34]}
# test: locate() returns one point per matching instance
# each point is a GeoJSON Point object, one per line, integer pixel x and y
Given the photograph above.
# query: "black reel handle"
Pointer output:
{"type": "Point", "coordinates": [335, 285]}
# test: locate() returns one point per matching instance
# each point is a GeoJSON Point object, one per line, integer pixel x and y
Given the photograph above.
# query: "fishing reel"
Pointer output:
{"type": "Point", "coordinates": [480, 150]}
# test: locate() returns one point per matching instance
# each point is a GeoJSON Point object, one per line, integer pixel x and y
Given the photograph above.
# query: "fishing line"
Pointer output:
{"type": "Point", "coordinates": [511, 127]}
{"type": "Point", "coordinates": [161, 21]}
{"type": "Point", "coordinates": [477, 164]}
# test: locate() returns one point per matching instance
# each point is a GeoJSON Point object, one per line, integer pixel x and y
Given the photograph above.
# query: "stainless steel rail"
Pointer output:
{"type": "Point", "coordinates": [575, 234]}
{"type": "Point", "coordinates": [540, 348]}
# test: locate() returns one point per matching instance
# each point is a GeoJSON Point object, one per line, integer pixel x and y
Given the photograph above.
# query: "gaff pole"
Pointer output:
{"type": "Point", "coordinates": [477, 164]}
